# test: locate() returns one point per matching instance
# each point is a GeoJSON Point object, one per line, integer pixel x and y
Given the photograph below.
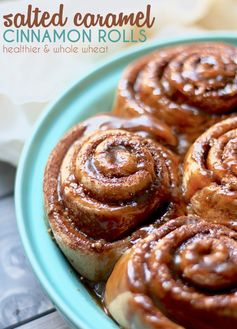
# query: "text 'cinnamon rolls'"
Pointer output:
{"type": "Point", "coordinates": [183, 275]}
{"type": "Point", "coordinates": [190, 87]}
{"type": "Point", "coordinates": [103, 180]}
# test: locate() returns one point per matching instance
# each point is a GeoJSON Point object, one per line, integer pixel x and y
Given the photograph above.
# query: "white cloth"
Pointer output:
{"type": "Point", "coordinates": [29, 82]}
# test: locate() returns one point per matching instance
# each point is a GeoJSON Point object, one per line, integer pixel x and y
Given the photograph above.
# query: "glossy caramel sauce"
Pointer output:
{"type": "Point", "coordinates": [123, 175]}
{"type": "Point", "coordinates": [116, 179]}
{"type": "Point", "coordinates": [189, 87]}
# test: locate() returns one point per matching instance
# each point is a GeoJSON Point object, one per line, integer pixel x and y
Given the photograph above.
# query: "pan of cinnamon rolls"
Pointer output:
{"type": "Point", "coordinates": [144, 198]}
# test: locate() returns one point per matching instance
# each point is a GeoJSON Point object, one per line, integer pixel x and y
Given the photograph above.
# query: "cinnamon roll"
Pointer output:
{"type": "Point", "coordinates": [210, 174]}
{"type": "Point", "coordinates": [183, 275]}
{"type": "Point", "coordinates": [189, 87]}
{"type": "Point", "coordinates": [103, 180]}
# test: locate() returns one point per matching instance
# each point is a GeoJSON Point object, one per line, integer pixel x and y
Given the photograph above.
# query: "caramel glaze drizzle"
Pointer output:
{"type": "Point", "coordinates": [210, 175]}
{"type": "Point", "coordinates": [197, 263]}
{"type": "Point", "coordinates": [112, 180]}
{"type": "Point", "coordinates": [183, 274]}
{"type": "Point", "coordinates": [63, 199]}
{"type": "Point", "coordinates": [170, 97]}
{"type": "Point", "coordinates": [189, 87]}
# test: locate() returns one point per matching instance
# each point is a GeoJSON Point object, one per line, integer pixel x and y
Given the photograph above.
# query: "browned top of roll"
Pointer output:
{"type": "Point", "coordinates": [201, 75]}
{"type": "Point", "coordinates": [108, 181]}
{"type": "Point", "coordinates": [184, 274]}
{"type": "Point", "coordinates": [210, 175]}
{"type": "Point", "coordinates": [189, 87]}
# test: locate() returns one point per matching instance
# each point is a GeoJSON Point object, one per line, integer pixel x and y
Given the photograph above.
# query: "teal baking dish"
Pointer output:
{"type": "Point", "coordinates": [91, 94]}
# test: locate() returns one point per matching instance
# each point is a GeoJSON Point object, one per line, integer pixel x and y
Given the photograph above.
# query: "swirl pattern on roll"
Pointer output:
{"type": "Point", "coordinates": [113, 180]}
{"type": "Point", "coordinates": [184, 275]}
{"type": "Point", "coordinates": [106, 183]}
{"type": "Point", "coordinates": [189, 87]}
{"type": "Point", "coordinates": [210, 173]}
